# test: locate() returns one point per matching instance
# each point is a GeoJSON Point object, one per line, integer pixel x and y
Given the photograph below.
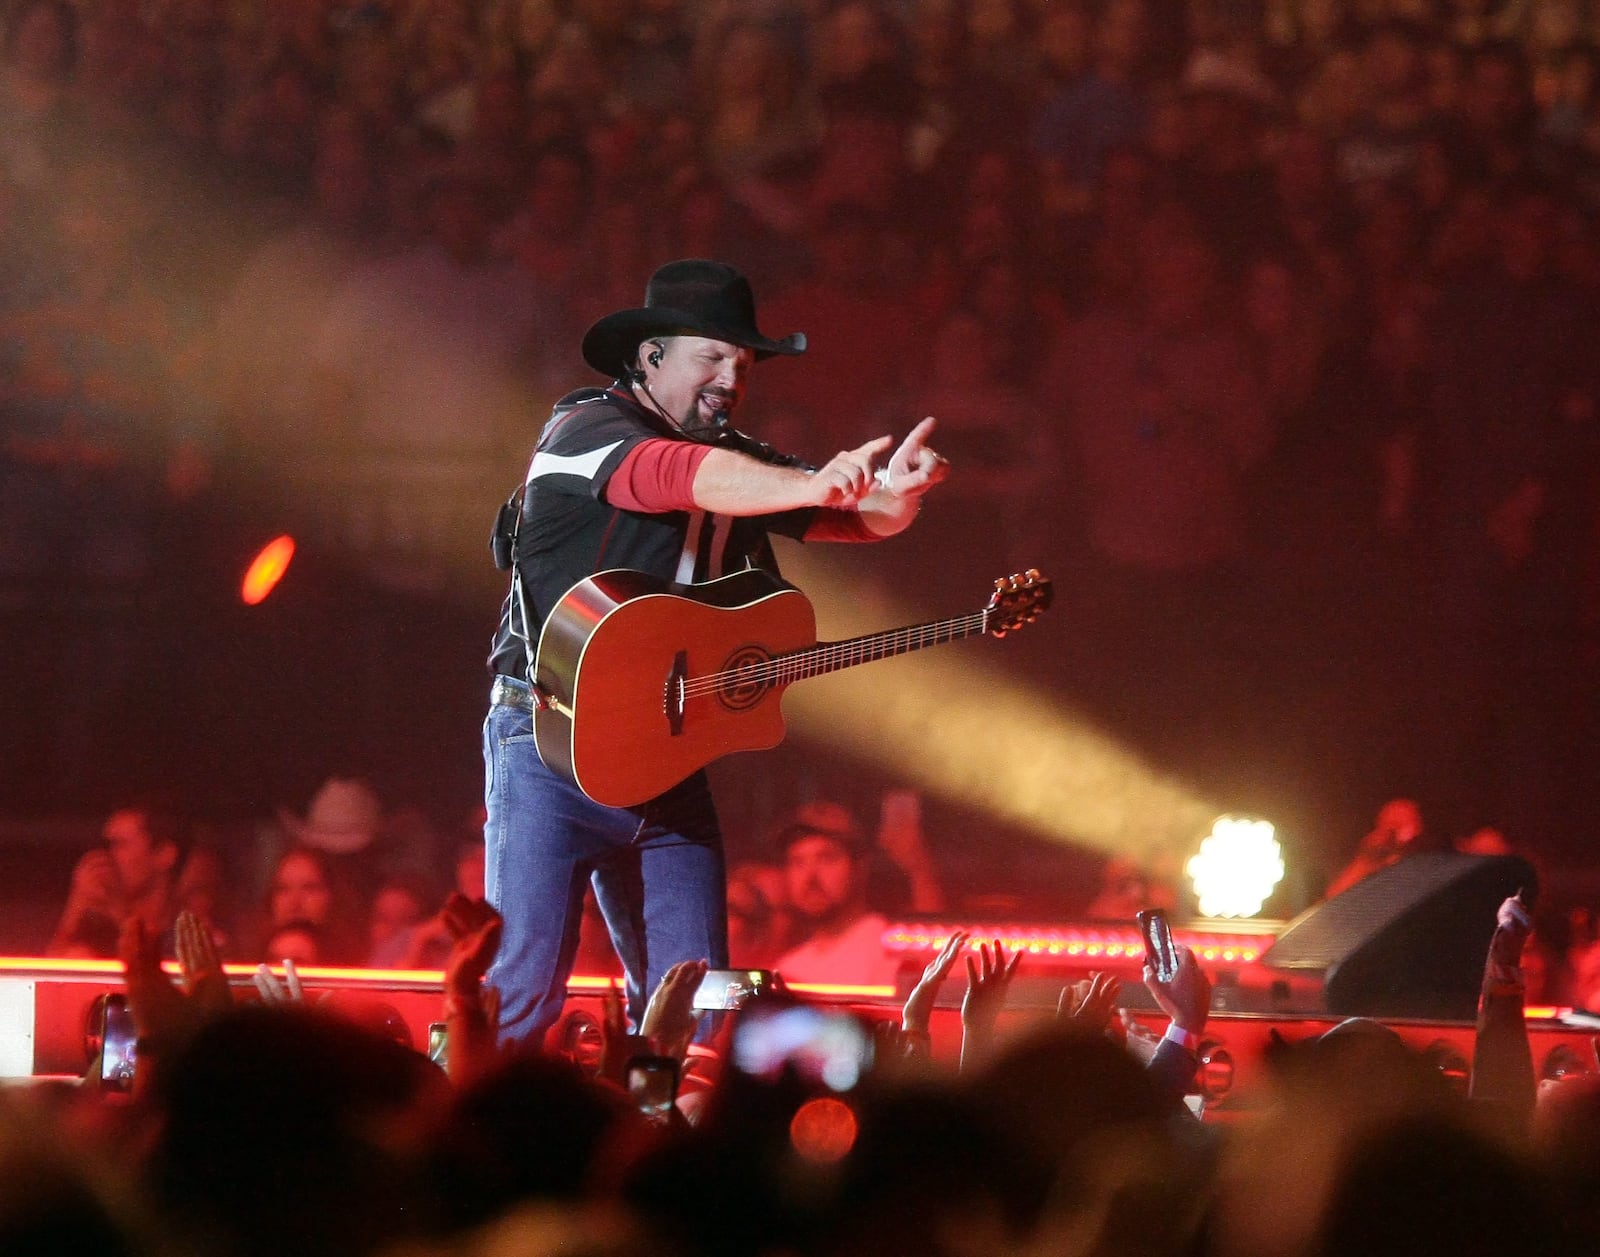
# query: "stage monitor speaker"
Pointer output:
{"type": "Point", "coordinates": [1408, 941]}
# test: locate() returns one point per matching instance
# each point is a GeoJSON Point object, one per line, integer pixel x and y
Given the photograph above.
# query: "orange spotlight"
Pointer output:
{"type": "Point", "coordinates": [266, 570]}
{"type": "Point", "coordinates": [823, 1130]}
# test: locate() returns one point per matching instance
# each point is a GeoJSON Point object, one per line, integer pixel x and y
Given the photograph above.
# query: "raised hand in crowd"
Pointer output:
{"type": "Point", "coordinates": [279, 991]}
{"type": "Point", "coordinates": [1091, 1002]}
{"type": "Point", "coordinates": [916, 1018]}
{"type": "Point", "coordinates": [1186, 999]}
{"type": "Point", "coordinates": [1513, 924]}
{"type": "Point", "coordinates": [988, 979]}
{"type": "Point", "coordinates": [200, 965]}
{"type": "Point", "coordinates": [471, 1006]}
{"type": "Point", "coordinates": [474, 928]}
{"type": "Point", "coordinates": [165, 1013]}
{"type": "Point", "coordinates": [891, 1044]}
{"type": "Point", "coordinates": [618, 1043]}
{"type": "Point", "coordinates": [669, 1019]}
{"type": "Point", "coordinates": [1503, 1082]}
{"type": "Point", "coordinates": [903, 840]}
{"type": "Point", "coordinates": [666, 1029]}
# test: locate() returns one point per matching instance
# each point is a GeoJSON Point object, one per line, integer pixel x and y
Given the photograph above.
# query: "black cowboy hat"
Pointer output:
{"type": "Point", "coordinates": [691, 297]}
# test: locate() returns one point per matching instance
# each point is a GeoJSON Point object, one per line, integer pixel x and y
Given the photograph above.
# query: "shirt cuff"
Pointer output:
{"type": "Point", "coordinates": [1188, 1040]}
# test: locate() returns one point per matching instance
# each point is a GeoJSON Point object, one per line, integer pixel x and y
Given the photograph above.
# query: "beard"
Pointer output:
{"type": "Point", "coordinates": [703, 418]}
{"type": "Point", "coordinates": [815, 908]}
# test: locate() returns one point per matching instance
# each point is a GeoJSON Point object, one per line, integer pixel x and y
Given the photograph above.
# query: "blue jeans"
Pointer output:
{"type": "Point", "coordinates": [657, 871]}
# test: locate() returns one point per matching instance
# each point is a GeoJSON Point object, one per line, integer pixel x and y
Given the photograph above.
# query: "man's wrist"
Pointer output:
{"type": "Point", "coordinates": [883, 478]}
{"type": "Point", "coordinates": [893, 514]}
{"type": "Point", "coordinates": [1507, 952]}
{"type": "Point", "coordinates": [1500, 978]}
{"type": "Point", "coordinates": [461, 1004]}
{"type": "Point", "coordinates": [1188, 1040]}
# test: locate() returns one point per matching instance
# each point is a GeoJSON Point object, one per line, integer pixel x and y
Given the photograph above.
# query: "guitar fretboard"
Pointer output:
{"type": "Point", "coordinates": [825, 657]}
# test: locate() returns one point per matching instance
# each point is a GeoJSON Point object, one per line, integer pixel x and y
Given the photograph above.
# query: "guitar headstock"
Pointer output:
{"type": "Point", "coordinates": [1018, 599]}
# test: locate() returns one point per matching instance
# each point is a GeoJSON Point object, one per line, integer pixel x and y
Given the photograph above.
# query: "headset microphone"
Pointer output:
{"type": "Point", "coordinates": [694, 431]}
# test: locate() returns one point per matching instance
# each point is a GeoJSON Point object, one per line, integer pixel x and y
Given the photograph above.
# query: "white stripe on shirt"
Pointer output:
{"type": "Point", "coordinates": [722, 526]}
{"type": "Point", "coordinates": [585, 465]}
{"type": "Point", "coordinates": [691, 547]}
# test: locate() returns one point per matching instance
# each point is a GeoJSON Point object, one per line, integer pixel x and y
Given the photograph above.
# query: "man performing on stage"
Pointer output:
{"type": "Point", "coordinates": [646, 474]}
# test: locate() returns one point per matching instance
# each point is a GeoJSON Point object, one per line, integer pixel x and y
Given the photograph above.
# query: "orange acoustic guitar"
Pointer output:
{"type": "Point", "coordinates": [645, 682]}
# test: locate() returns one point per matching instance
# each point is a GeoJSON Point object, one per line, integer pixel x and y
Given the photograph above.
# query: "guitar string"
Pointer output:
{"type": "Point", "coordinates": [814, 659]}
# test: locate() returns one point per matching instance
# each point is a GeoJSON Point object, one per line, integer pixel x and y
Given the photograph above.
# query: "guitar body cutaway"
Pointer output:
{"type": "Point", "coordinates": [652, 681]}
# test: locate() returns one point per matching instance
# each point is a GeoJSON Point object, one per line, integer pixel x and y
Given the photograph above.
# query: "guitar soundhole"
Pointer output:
{"type": "Point", "coordinates": [745, 678]}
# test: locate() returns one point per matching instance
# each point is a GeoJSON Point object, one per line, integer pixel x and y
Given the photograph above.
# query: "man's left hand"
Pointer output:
{"type": "Point", "coordinates": [914, 468]}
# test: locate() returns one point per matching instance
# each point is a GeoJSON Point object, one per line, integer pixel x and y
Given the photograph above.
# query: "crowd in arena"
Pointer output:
{"type": "Point", "coordinates": [271, 1121]}
{"type": "Point", "coordinates": [1261, 324]}
{"type": "Point", "coordinates": [1265, 323]}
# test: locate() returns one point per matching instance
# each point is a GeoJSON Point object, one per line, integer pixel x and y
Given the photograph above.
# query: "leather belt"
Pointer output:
{"type": "Point", "coordinates": [509, 692]}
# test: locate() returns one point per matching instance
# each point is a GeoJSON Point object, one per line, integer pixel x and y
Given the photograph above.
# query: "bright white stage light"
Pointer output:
{"type": "Point", "coordinates": [1236, 868]}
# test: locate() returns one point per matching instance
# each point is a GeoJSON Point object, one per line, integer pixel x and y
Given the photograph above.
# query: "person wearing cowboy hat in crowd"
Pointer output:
{"type": "Point", "coordinates": [344, 821]}
{"type": "Point", "coordinates": [648, 474]}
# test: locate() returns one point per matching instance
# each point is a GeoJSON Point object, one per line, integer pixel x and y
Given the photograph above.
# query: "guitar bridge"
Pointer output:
{"type": "Point", "coordinates": [673, 697]}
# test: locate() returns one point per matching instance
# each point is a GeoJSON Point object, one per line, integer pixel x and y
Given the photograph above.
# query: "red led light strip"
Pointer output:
{"type": "Point", "coordinates": [112, 969]}
{"type": "Point", "coordinates": [1074, 944]}
{"type": "Point", "coordinates": [1090, 945]}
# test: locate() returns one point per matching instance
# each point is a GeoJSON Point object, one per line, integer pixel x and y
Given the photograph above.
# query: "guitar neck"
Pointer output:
{"type": "Point", "coordinates": [827, 657]}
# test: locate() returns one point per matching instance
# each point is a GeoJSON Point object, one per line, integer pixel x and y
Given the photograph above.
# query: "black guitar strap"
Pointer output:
{"type": "Point", "coordinates": [508, 525]}
{"type": "Point", "coordinates": [503, 546]}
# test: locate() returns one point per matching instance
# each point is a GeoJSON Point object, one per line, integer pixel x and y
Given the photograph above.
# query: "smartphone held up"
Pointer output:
{"type": "Point", "coordinates": [1161, 953]}
{"type": "Point", "coordinates": [653, 1084]}
{"type": "Point", "coordinates": [724, 989]}
{"type": "Point", "coordinates": [118, 1044]}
